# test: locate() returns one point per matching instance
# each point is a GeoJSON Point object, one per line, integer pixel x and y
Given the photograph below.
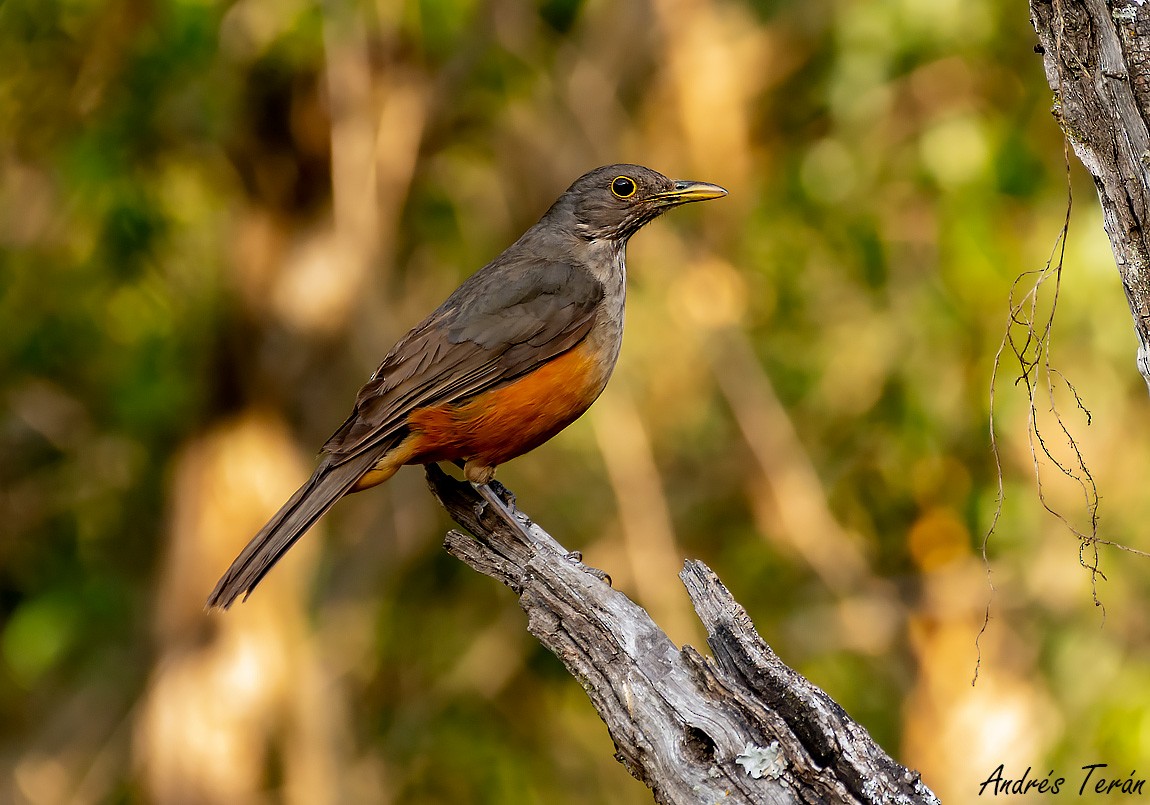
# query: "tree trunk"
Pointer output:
{"type": "Point", "coordinates": [1097, 60]}
{"type": "Point", "coordinates": [739, 726]}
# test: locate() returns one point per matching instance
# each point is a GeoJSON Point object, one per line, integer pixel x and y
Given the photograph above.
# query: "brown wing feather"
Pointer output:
{"type": "Point", "coordinates": [327, 484]}
{"type": "Point", "coordinates": [500, 324]}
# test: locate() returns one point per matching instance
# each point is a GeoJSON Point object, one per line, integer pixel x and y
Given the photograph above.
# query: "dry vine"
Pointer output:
{"type": "Point", "coordinates": [1098, 93]}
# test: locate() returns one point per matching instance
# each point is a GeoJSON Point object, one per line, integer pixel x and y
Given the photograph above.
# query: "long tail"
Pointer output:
{"type": "Point", "coordinates": [328, 484]}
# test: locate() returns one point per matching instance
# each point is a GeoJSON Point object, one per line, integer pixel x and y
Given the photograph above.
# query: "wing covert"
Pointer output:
{"type": "Point", "coordinates": [500, 324]}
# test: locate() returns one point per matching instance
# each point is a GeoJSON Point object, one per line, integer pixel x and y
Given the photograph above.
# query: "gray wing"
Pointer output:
{"type": "Point", "coordinates": [504, 321]}
{"type": "Point", "coordinates": [499, 325]}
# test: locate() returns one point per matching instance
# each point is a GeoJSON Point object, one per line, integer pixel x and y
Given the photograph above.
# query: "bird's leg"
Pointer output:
{"type": "Point", "coordinates": [483, 477]}
{"type": "Point", "coordinates": [497, 495]}
{"type": "Point", "coordinates": [491, 497]}
{"type": "Point", "coordinates": [504, 493]}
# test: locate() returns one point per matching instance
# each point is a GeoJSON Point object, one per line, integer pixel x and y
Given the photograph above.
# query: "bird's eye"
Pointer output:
{"type": "Point", "coordinates": [623, 187]}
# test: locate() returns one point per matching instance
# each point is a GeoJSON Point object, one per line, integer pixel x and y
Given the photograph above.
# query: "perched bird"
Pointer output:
{"type": "Point", "coordinates": [517, 353]}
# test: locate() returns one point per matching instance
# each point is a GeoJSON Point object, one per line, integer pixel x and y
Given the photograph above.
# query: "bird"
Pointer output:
{"type": "Point", "coordinates": [515, 354]}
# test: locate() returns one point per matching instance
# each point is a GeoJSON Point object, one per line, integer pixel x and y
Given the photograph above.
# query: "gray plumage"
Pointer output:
{"type": "Point", "coordinates": [561, 284]}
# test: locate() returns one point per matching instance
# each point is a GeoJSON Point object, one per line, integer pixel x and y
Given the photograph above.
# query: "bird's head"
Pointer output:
{"type": "Point", "coordinates": [615, 201]}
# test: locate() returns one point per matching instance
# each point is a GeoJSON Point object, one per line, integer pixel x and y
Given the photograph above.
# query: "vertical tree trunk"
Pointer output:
{"type": "Point", "coordinates": [1097, 59]}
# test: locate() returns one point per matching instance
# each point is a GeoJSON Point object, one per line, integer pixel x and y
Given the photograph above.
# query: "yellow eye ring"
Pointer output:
{"type": "Point", "coordinates": [623, 187]}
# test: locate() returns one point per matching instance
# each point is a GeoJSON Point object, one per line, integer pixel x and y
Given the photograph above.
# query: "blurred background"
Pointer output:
{"type": "Point", "coordinates": [215, 219]}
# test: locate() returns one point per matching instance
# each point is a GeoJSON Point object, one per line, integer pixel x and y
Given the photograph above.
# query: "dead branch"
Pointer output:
{"type": "Point", "coordinates": [1097, 60]}
{"type": "Point", "coordinates": [739, 726]}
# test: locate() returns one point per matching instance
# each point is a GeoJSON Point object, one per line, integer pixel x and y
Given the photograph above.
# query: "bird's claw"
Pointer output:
{"type": "Point", "coordinates": [505, 494]}
{"type": "Point", "coordinates": [576, 557]}
{"type": "Point", "coordinates": [597, 573]}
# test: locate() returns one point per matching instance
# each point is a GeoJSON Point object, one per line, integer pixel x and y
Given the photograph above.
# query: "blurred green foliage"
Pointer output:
{"type": "Point", "coordinates": [896, 167]}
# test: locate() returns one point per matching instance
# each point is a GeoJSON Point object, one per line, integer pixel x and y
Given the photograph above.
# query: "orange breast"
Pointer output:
{"type": "Point", "coordinates": [499, 425]}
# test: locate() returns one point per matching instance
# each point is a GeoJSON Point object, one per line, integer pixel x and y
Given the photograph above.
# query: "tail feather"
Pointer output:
{"type": "Point", "coordinates": [328, 484]}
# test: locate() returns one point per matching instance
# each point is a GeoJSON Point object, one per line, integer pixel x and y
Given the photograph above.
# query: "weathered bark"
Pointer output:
{"type": "Point", "coordinates": [1097, 60]}
{"type": "Point", "coordinates": [739, 726]}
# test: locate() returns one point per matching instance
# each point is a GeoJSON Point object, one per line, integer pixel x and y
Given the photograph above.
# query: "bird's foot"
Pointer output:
{"type": "Point", "coordinates": [597, 573]}
{"type": "Point", "coordinates": [497, 496]}
{"type": "Point", "coordinates": [504, 494]}
{"type": "Point", "coordinates": [576, 557]}
{"type": "Point", "coordinates": [505, 510]}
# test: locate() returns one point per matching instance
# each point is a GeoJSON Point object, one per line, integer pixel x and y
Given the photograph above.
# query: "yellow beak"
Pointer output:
{"type": "Point", "coordinates": [691, 191]}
